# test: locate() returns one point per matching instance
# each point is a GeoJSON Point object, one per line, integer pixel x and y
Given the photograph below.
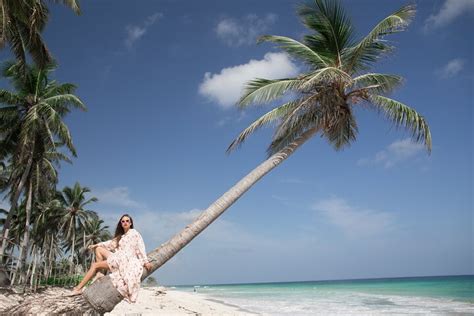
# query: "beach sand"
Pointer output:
{"type": "Point", "coordinates": [161, 301]}
{"type": "Point", "coordinates": [151, 301]}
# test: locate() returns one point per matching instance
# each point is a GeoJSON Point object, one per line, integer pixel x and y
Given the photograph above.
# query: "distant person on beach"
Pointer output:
{"type": "Point", "coordinates": [124, 256]}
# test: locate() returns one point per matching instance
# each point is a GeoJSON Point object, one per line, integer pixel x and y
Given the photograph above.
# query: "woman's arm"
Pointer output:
{"type": "Point", "coordinates": [110, 245]}
{"type": "Point", "coordinates": [140, 250]}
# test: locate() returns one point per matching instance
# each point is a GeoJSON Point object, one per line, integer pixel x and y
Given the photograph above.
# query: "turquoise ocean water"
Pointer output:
{"type": "Point", "coordinates": [444, 295]}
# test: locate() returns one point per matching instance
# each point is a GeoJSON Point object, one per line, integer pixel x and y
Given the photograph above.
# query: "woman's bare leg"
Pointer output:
{"type": "Point", "coordinates": [101, 254]}
{"type": "Point", "coordinates": [93, 269]}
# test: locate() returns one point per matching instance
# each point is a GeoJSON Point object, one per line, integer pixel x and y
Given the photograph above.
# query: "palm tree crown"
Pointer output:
{"type": "Point", "coordinates": [337, 80]}
{"type": "Point", "coordinates": [21, 24]}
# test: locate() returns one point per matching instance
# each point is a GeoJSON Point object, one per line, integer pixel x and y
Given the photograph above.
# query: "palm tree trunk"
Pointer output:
{"type": "Point", "coordinates": [26, 236]}
{"type": "Point", "coordinates": [30, 266]}
{"type": "Point", "coordinates": [73, 244]}
{"type": "Point", "coordinates": [103, 296]}
{"type": "Point", "coordinates": [32, 278]}
{"type": "Point", "coordinates": [14, 203]}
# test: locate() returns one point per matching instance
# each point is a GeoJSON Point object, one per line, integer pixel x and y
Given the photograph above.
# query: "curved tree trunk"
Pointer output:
{"type": "Point", "coordinates": [103, 296]}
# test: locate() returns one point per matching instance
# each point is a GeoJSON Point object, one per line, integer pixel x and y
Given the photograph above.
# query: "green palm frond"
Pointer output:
{"type": "Point", "coordinates": [365, 51]}
{"type": "Point", "coordinates": [65, 99]}
{"type": "Point", "coordinates": [38, 50]}
{"type": "Point", "coordinates": [266, 119]}
{"type": "Point", "coordinates": [7, 97]}
{"type": "Point", "coordinates": [53, 88]}
{"type": "Point", "coordinates": [291, 118]}
{"type": "Point", "coordinates": [17, 39]}
{"type": "Point", "coordinates": [263, 90]}
{"type": "Point", "coordinates": [325, 75]}
{"type": "Point", "coordinates": [404, 116]}
{"type": "Point", "coordinates": [377, 83]}
{"type": "Point", "coordinates": [333, 29]}
{"type": "Point", "coordinates": [57, 156]}
{"type": "Point", "coordinates": [297, 50]}
{"type": "Point", "coordinates": [312, 119]}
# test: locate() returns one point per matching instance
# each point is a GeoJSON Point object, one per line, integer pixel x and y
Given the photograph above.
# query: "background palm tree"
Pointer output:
{"type": "Point", "coordinates": [93, 232]}
{"type": "Point", "coordinates": [31, 124]}
{"type": "Point", "coordinates": [21, 24]}
{"type": "Point", "coordinates": [75, 216]}
{"type": "Point", "coordinates": [47, 233]}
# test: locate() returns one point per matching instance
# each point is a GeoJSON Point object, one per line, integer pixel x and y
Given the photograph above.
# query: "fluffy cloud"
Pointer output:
{"type": "Point", "coordinates": [452, 68]}
{"type": "Point", "coordinates": [450, 10]}
{"type": "Point", "coordinates": [354, 222]}
{"type": "Point", "coordinates": [118, 196]}
{"type": "Point", "coordinates": [226, 87]}
{"type": "Point", "coordinates": [243, 31]}
{"type": "Point", "coordinates": [396, 152]}
{"type": "Point", "coordinates": [135, 32]}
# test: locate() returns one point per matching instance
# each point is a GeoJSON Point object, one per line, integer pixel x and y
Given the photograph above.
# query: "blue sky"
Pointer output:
{"type": "Point", "coordinates": [160, 80]}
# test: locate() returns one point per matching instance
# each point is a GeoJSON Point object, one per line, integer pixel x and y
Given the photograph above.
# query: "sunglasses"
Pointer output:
{"type": "Point", "coordinates": [125, 221]}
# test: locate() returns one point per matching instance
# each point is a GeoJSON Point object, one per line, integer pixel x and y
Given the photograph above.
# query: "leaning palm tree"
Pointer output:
{"type": "Point", "coordinates": [21, 24]}
{"type": "Point", "coordinates": [31, 123]}
{"type": "Point", "coordinates": [337, 81]}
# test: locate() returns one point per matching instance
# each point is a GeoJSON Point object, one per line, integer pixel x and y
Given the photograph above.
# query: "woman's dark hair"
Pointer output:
{"type": "Point", "coordinates": [119, 230]}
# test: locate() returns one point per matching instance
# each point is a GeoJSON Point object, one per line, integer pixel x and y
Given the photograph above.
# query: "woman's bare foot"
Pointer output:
{"type": "Point", "coordinates": [97, 276]}
{"type": "Point", "coordinates": [75, 291]}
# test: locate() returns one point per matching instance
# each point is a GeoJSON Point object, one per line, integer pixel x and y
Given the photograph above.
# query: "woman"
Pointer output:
{"type": "Point", "coordinates": [124, 256]}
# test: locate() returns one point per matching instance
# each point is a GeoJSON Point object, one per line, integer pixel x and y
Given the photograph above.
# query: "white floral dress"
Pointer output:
{"type": "Point", "coordinates": [126, 263]}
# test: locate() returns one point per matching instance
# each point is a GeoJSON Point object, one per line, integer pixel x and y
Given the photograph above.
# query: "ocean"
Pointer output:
{"type": "Point", "coordinates": [443, 295]}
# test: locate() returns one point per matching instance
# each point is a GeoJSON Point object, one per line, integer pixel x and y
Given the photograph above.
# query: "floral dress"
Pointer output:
{"type": "Point", "coordinates": [126, 263]}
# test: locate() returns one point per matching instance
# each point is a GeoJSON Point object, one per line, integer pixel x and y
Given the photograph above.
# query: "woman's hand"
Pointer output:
{"type": "Point", "coordinates": [148, 266]}
{"type": "Point", "coordinates": [90, 247]}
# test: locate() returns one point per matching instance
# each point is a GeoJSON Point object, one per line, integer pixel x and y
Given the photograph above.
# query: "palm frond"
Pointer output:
{"type": "Point", "coordinates": [266, 119]}
{"type": "Point", "coordinates": [285, 134]}
{"type": "Point", "coordinates": [297, 50]}
{"type": "Point", "coordinates": [404, 116]}
{"type": "Point", "coordinates": [322, 76]}
{"type": "Point", "coordinates": [371, 45]}
{"type": "Point", "coordinates": [333, 28]}
{"type": "Point", "coordinates": [377, 83]}
{"type": "Point", "coordinates": [7, 97]}
{"type": "Point", "coordinates": [263, 90]}
{"type": "Point", "coordinates": [66, 99]}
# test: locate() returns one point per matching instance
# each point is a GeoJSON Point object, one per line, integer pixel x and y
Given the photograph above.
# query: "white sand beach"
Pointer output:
{"type": "Point", "coordinates": [161, 301]}
{"type": "Point", "coordinates": [151, 301]}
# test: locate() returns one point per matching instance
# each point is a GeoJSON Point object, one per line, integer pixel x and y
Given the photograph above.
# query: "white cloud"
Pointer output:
{"type": "Point", "coordinates": [225, 87]}
{"type": "Point", "coordinates": [396, 152]}
{"type": "Point", "coordinates": [450, 10]}
{"type": "Point", "coordinates": [135, 32]}
{"type": "Point", "coordinates": [354, 222]}
{"type": "Point", "coordinates": [243, 31]}
{"type": "Point", "coordinates": [452, 68]}
{"type": "Point", "coordinates": [118, 196]}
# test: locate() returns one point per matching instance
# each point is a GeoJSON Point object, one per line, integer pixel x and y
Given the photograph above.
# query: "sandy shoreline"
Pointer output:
{"type": "Point", "coordinates": [150, 301]}
{"type": "Point", "coordinates": [155, 301]}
